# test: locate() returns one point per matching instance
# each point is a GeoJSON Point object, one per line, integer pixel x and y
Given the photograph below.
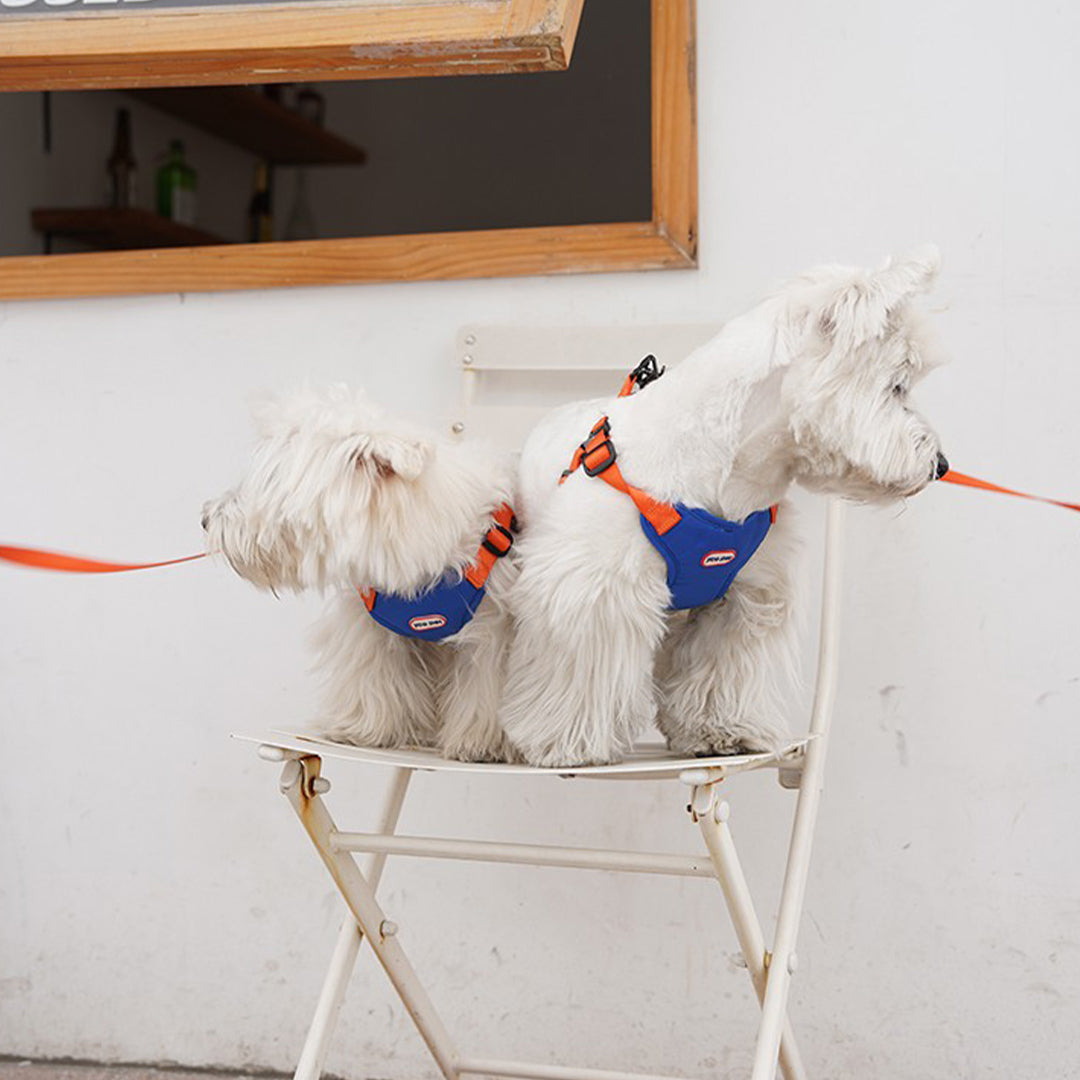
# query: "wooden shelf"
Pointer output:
{"type": "Point", "coordinates": [251, 120]}
{"type": "Point", "coordinates": [113, 230]}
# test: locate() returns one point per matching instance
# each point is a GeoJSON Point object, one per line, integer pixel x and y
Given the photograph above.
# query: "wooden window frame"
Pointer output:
{"type": "Point", "coordinates": [667, 241]}
{"type": "Point", "coordinates": [122, 47]}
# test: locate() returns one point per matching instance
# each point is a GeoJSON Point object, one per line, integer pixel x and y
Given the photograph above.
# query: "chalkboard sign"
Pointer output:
{"type": "Point", "coordinates": [107, 44]}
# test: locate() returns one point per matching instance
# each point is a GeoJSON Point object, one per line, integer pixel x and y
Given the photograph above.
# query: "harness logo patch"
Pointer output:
{"type": "Point", "coordinates": [717, 558]}
{"type": "Point", "coordinates": [420, 623]}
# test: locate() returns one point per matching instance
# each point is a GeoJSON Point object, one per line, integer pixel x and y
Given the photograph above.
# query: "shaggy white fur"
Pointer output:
{"type": "Point", "coordinates": [339, 497]}
{"type": "Point", "coordinates": [810, 386]}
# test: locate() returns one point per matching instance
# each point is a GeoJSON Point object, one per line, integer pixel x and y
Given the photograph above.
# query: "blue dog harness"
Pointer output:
{"type": "Point", "coordinates": [450, 603]}
{"type": "Point", "coordinates": [703, 552]}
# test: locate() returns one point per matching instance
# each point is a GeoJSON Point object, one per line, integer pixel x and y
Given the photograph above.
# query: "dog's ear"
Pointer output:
{"type": "Point", "coordinates": [900, 279]}
{"type": "Point", "coordinates": [858, 311]}
{"type": "Point", "coordinates": [392, 455]}
{"type": "Point", "coordinates": [853, 314]}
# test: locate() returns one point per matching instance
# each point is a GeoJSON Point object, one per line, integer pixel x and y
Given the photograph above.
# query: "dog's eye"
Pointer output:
{"type": "Point", "coordinates": [899, 390]}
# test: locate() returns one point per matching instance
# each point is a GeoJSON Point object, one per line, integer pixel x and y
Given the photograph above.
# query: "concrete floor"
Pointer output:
{"type": "Point", "coordinates": [15, 1069]}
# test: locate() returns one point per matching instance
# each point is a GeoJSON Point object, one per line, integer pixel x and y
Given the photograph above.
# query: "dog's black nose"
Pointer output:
{"type": "Point", "coordinates": [205, 521]}
{"type": "Point", "coordinates": [942, 466]}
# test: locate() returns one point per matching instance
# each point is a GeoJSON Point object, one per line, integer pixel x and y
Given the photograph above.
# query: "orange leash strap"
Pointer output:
{"type": "Point", "coordinates": [954, 477]}
{"type": "Point", "coordinates": [75, 564]}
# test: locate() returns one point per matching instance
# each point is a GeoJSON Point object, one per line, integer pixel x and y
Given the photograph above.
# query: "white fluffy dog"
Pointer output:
{"type": "Point", "coordinates": [811, 386]}
{"type": "Point", "coordinates": [339, 497]}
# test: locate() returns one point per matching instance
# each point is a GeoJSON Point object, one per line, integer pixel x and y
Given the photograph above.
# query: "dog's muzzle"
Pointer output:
{"type": "Point", "coordinates": [942, 466]}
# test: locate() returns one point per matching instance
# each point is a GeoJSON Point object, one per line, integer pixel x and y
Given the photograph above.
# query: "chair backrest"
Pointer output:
{"type": "Point", "coordinates": [512, 375]}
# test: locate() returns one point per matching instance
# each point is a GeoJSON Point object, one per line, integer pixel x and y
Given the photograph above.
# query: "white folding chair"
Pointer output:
{"type": "Point", "coordinates": [510, 376]}
{"type": "Point", "coordinates": [800, 765]}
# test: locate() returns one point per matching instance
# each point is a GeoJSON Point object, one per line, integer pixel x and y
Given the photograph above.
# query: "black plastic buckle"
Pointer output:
{"type": "Point", "coordinates": [646, 372]}
{"type": "Point", "coordinates": [489, 546]}
{"type": "Point", "coordinates": [596, 470]}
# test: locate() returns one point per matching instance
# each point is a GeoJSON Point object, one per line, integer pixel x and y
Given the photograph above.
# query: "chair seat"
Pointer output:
{"type": "Point", "coordinates": [647, 761]}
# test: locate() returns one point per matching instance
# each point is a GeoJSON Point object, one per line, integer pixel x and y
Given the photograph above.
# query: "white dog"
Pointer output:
{"type": "Point", "coordinates": [339, 497]}
{"type": "Point", "coordinates": [811, 386]}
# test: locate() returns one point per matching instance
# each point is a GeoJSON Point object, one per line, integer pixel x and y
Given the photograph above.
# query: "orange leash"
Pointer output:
{"type": "Point", "coordinates": [954, 477]}
{"type": "Point", "coordinates": [75, 564]}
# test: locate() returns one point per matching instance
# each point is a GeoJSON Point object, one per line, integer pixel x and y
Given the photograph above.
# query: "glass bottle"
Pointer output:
{"type": "Point", "coordinates": [260, 214]}
{"type": "Point", "coordinates": [176, 187]}
{"type": "Point", "coordinates": [121, 165]}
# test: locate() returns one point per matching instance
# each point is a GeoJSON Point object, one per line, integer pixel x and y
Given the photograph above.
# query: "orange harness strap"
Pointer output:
{"type": "Point", "coordinates": [496, 543]}
{"type": "Point", "coordinates": [75, 564]}
{"type": "Point", "coordinates": [954, 477]}
{"type": "Point", "coordinates": [596, 455]}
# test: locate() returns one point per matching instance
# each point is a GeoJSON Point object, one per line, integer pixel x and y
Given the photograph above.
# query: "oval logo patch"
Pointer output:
{"type": "Point", "coordinates": [420, 623]}
{"type": "Point", "coordinates": [718, 558]}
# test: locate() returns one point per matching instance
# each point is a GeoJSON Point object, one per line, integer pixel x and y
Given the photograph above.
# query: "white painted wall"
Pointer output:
{"type": "Point", "coordinates": [158, 903]}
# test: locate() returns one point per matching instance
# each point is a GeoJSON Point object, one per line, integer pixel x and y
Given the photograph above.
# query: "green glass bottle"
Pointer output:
{"type": "Point", "coordinates": [176, 187]}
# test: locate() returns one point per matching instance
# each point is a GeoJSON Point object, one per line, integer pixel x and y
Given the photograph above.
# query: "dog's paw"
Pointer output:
{"type": "Point", "coordinates": [563, 757]}
{"type": "Point", "coordinates": [743, 738]}
{"type": "Point", "coordinates": [363, 735]}
{"type": "Point", "coordinates": [484, 753]}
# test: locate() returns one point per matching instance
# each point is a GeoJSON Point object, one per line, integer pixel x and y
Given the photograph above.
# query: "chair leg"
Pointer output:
{"type": "Point", "coordinates": [813, 778]}
{"type": "Point", "coordinates": [332, 995]}
{"type": "Point", "coordinates": [302, 786]}
{"type": "Point", "coordinates": [711, 814]}
{"type": "Point", "coordinates": [783, 960]}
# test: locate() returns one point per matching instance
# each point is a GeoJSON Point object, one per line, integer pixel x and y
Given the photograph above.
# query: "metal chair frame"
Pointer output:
{"type": "Point", "coordinates": [800, 766]}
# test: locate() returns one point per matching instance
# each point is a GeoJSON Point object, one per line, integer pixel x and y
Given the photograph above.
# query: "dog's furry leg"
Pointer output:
{"type": "Point", "coordinates": [469, 685]}
{"type": "Point", "coordinates": [378, 686]}
{"type": "Point", "coordinates": [721, 671]}
{"type": "Point", "coordinates": [579, 679]}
